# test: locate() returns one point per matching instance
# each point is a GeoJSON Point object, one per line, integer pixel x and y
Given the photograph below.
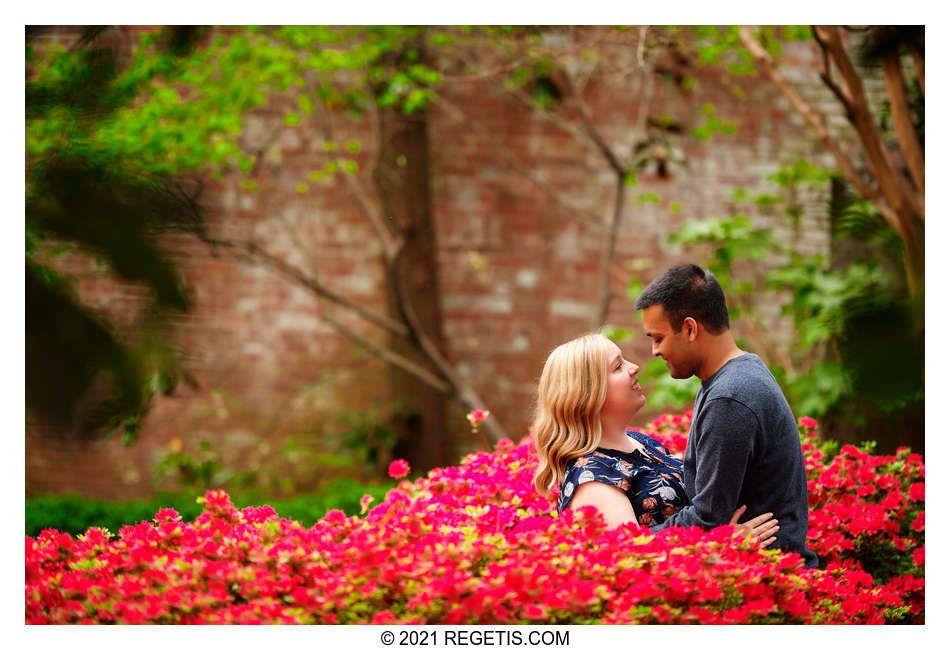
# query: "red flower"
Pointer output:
{"type": "Point", "coordinates": [398, 468]}
{"type": "Point", "coordinates": [807, 422]}
{"type": "Point", "coordinates": [383, 618]}
{"type": "Point", "coordinates": [167, 514]}
{"type": "Point", "coordinates": [916, 492]}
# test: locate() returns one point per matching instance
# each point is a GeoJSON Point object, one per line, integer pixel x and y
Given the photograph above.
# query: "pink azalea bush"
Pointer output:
{"type": "Point", "coordinates": [475, 543]}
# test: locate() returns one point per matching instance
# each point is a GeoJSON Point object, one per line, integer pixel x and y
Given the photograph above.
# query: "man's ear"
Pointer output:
{"type": "Point", "coordinates": [690, 328]}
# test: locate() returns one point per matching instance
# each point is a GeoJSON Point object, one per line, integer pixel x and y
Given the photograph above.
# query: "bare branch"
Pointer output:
{"type": "Point", "coordinates": [641, 45]}
{"type": "Point", "coordinates": [258, 152]}
{"type": "Point", "coordinates": [431, 350]}
{"type": "Point", "coordinates": [900, 111]}
{"type": "Point", "coordinates": [551, 117]}
{"type": "Point", "coordinates": [919, 66]}
{"type": "Point", "coordinates": [521, 167]}
{"type": "Point", "coordinates": [860, 115]}
{"type": "Point", "coordinates": [825, 74]}
{"type": "Point", "coordinates": [817, 122]}
{"type": "Point", "coordinates": [595, 135]}
{"type": "Point", "coordinates": [894, 196]}
{"type": "Point", "coordinates": [251, 251]}
{"type": "Point", "coordinates": [609, 246]}
{"type": "Point", "coordinates": [391, 244]}
{"type": "Point", "coordinates": [389, 356]}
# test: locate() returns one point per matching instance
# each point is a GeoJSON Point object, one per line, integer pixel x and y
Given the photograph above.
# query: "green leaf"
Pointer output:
{"type": "Point", "coordinates": [304, 103]}
{"type": "Point", "coordinates": [616, 334]}
{"type": "Point", "coordinates": [634, 289]}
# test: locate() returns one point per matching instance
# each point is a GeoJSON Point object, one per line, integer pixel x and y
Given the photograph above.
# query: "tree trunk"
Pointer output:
{"type": "Point", "coordinates": [402, 178]}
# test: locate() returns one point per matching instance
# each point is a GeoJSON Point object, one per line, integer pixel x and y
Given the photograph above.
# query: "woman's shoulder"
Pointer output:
{"type": "Point", "coordinates": [596, 466]}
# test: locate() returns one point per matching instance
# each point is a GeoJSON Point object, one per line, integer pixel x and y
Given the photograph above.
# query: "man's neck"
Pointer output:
{"type": "Point", "coordinates": [723, 349]}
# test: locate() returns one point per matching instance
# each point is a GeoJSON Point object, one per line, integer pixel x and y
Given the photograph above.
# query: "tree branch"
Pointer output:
{"type": "Point", "coordinates": [817, 122]}
{"type": "Point", "coordinates": [893, 203]}
{"type": "Point", "coordinates": [882, 166]}
{"type": "Point", "coordinates": [389, 356]}
{"type": "Point", "coordinates": [825, 75]}
{"type": "Point", "coordinates": [641, 45]}
{"type": "Point", "coordinates": [390, 243]}
{"type": "Point", "coordinates": [900, 111]}
{"type": "Point", "coordinates": [609, 248]}
{"type": "Point", "coordinates": [594, 135]}
{"type": "Point", "coordinates": [521, 168]}
{"type": "Point", "coordinates": [919, 66]}
{"type": "Point", "coordinates": [429, 348]}
{"type": "Point", "coordinates": [252, 251]}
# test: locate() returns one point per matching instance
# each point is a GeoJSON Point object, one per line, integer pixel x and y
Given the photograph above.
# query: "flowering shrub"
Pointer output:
{"type": "Point", "coordinates": [472, 543]}
{"type": "Point", "coordinates": [865, 511]}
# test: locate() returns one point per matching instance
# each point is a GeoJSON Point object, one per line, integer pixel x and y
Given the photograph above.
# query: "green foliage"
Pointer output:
{"type": "Point", "coordinates": [121, 129]}
{"type": "Point", "coordinates": [368, 436]}
{"type": "Point", "coordinates": [816, 390]}
{"type": "Point", "coordinates": [719, 45]}
{"type": "Point", "coordinates": [200, 473]}
{"type": "Point", "coordinates": [616, 334]}
{"type": "Point", "coordinates": [802, 173]}
{"type": "Point", "coordinates": [666, 392]}
{"type": "Point", "coordinates": [73, 514]}
{"type": "Point", "coordinates": [713, 125]}
{"type": "Point", "coordinates": [71, 96]}
{"type": "Point", "coordinates": [823, 298]}
{"type": "Point", "coordinates": [855, 310]}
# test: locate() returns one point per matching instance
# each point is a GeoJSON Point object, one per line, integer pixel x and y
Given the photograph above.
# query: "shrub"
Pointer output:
{"type": "Point", "coordinates": [467, 544]}
{"type": "Point", "coordinates": [73, 514]}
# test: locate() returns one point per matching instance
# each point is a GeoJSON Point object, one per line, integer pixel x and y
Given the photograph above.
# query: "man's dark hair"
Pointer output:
{"type": "Point", "coordinates": [688, 290]}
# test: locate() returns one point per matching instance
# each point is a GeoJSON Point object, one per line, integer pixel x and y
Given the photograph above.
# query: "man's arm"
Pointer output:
{"type": "Point", "coordinates": [724, 445]}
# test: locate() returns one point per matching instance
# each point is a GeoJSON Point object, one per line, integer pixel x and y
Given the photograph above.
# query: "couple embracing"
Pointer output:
{"type": "Point", "coordinates": [743, 454]}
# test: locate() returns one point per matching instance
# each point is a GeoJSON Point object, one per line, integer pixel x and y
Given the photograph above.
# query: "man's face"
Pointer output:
{"type": "Point", "coordinates": [674, 348]}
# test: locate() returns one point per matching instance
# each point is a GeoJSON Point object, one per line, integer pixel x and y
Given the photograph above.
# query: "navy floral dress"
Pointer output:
{"type": "Point", "coordinates": [652, 479]}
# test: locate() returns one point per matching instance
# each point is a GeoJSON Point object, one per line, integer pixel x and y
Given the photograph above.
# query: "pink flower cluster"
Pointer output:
{"type": "Point", "coordinates": [868, 511]}
{"type": "Point", "coordinates": [472, 543]}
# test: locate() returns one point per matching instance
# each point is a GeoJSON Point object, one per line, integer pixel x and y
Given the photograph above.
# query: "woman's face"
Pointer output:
{"type": "Point", "coordinates": [624, 395]}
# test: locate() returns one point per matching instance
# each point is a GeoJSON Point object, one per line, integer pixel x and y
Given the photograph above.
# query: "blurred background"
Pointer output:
{"type": "Point", "coordinates": [274, 259]}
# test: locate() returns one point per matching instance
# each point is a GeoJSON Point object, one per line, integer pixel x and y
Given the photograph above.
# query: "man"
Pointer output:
{"type": "Point", "coordinates": [743, 446]}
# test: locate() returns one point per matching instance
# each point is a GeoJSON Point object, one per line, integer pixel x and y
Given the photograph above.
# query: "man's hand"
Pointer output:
{"type": "Point", "coordinates": [762, 528]}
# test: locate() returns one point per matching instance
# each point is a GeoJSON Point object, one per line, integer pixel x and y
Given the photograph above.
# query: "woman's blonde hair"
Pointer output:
{"type": "Point", "coordinates": [571, 394]}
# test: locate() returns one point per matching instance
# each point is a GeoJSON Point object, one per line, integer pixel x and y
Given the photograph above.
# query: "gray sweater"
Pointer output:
{"type": "Point", "coordinates": [744, 448]}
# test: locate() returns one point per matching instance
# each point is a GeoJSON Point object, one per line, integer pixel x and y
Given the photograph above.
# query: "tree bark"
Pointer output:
{"type": "Point", "coordinates": [890, 193]}
{"type": "Point", "coordinates": [402, 180]}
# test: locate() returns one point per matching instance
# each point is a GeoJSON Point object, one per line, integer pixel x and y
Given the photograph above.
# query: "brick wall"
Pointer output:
{"type": "Point", "coordinates": [519, 271]}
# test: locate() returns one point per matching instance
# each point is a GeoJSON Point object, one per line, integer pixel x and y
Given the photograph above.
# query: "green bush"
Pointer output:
{"type": "Point", "coordinates": [71, 513]}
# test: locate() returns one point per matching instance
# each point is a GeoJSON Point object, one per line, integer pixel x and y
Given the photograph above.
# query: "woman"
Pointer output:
{"type": "Point", "coordinates": [587, 395]}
